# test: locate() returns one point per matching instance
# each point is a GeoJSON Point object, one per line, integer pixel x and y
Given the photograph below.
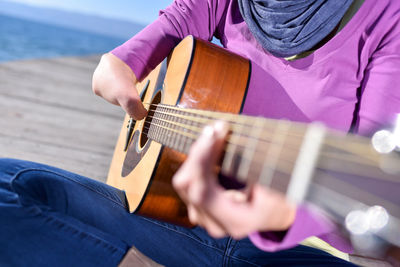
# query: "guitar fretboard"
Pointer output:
{"type": "Point", "coordinates": [255, 147]}
{"type": "Point", "coordinates": [267, 151]}
{"type": "Point", "coordinates": [346, 167]}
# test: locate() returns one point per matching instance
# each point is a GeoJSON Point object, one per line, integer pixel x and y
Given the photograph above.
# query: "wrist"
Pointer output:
{"type": "Point", "coordinates": [288, 216]}
{"type": "Point", "coordinates": [282, 216]}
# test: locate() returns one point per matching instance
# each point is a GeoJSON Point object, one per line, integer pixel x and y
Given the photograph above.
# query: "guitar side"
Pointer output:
{"type": "Point", "coordinates": [199, 75]}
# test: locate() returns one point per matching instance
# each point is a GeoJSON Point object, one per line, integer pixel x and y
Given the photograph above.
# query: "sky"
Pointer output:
{"type": "Point", "coordinates": [143, 11]}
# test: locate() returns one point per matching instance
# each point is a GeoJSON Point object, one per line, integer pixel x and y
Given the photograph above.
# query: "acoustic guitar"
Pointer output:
{"type": "Point", "coordinates": [344, 175]}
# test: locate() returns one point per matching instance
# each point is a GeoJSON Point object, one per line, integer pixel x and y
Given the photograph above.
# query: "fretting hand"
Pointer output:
{"type": "Point", "coordinates": [226, 212]}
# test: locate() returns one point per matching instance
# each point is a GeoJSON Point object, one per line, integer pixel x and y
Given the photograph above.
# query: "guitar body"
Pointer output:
{"type": "Point", "coordinates": [199, 75]}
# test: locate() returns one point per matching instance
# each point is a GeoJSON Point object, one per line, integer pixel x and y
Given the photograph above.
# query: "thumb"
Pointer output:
{"type": "Point", "coordinates": [132, 104]}
{"type": "Point", "coordinates": [207, 150]}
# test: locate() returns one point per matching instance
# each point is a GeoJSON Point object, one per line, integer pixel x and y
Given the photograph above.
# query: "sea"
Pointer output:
{"type": "Point", "coordinates": [25, 39]}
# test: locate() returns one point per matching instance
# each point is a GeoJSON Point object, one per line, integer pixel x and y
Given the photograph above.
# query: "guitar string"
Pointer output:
{"type": "Point", "coordinates": [210, 116]}
{"type": "Point", "coordinates": [235, 139]}
{"type": "Point", "coordinates": [360, 145]}
{"type": "Point", "coordinates": [196, 129]}
{"type": "Point", "coordinates": [234, 119]}
{"type": "Point", "coordinates": [286, 170]}
{"type": "Point", "coordinates": [235, 128]}
{"type": "Point", "coordinates": [234, 136]}
{"type": "Point", "coordinates": [363, 150]}
{"type": "Point", "coordinates": [337, 156]}
{"type": "Point", "coordinates": [360, 192]}
{"type": "Point", "coordinates": [194, 138]}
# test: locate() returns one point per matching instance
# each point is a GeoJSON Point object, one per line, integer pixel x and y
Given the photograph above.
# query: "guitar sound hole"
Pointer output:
{"type": "Point", "coordinates": [150, 115]}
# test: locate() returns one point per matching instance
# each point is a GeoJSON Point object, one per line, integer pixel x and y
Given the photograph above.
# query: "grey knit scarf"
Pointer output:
{"type": "Point", "coordinates": [289, 27]}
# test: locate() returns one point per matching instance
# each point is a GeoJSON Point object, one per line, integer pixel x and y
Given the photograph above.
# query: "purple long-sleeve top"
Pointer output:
{"type": "Point", "coordinates": [352, 79]}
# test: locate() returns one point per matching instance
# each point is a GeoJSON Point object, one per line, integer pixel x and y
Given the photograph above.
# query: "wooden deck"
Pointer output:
{"type": "Point", "coordinates": [49, 114]}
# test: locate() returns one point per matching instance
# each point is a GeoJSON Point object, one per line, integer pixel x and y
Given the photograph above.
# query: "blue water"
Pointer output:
{"type": "Point", "coordinates": [23, 39]}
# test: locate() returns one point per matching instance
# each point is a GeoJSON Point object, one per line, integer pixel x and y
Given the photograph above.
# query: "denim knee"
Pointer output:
{"type": "Point", "coordinates": [10, 167]}
{"type": "Point", "coordinates": [19, 180]}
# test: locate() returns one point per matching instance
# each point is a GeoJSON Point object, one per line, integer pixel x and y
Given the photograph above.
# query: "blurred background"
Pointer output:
{"type": "Point", "coordinates": [48, 52]}
{"type": "Point", "coordinates": [48, 28]}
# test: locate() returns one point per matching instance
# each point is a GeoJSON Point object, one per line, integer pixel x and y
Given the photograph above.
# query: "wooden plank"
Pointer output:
{"type": "Point", "coordinates": [49, 114]}
{"type": "Point", "coordinates": [92, 165]}
{"type": "Point", "coordinates": [50, 84]}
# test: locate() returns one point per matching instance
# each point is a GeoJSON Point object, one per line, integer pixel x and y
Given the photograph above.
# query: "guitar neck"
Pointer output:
{"type": "Point", "coordinates": [307, 162]}
{"type": "Point", "coordinates": [256, 147]}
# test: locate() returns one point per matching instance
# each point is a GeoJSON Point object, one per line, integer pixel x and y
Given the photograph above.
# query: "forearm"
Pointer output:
{"type": "Point", "coordinates": [148, 48]}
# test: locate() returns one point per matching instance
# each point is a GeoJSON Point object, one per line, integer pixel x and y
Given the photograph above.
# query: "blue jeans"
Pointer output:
{"type": "Point", "coordinates": [51, 217]}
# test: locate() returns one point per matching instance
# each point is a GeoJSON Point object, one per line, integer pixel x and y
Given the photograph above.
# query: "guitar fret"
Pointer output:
{"type": "Point", "coordinates": [250, 150]}
{"type": "Point", "coordinates": [180, 137]}
{"type": "Point", "coordinates": [157, 131]}
{"type": "Point", "coordinates": [186, 139]}
{"type": "Point", "coordinates": [164, 131]}
{"type": "Point", "coordinates": [179, 128]}
{"type": "Point", "coordinates": [306, 162]}
{"type": "Point", "coordinates": [169, 129]}
{"type": "Point", "coordinates": [171, 133]}
{"type": "Point", "coordinates": [233, 156]}
{"type": "Point", "coordinates": [160, 129]}
{"type": "Point", "coordinates": [273, 154]}
{"type": "Point", "coordinates": [174, 119]}
{"type": "Point", "coordinates": [155, 120]}
{"type": "Point", "coordinates": [189, 141]}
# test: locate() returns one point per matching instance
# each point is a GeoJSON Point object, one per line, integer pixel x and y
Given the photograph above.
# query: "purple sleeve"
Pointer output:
{"type": "Point", "coordinates": [147, 49]}
{"type": "Point", "coordinates": [307, 223]}
{"type": "Point", "coordinates": [380, 93]}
